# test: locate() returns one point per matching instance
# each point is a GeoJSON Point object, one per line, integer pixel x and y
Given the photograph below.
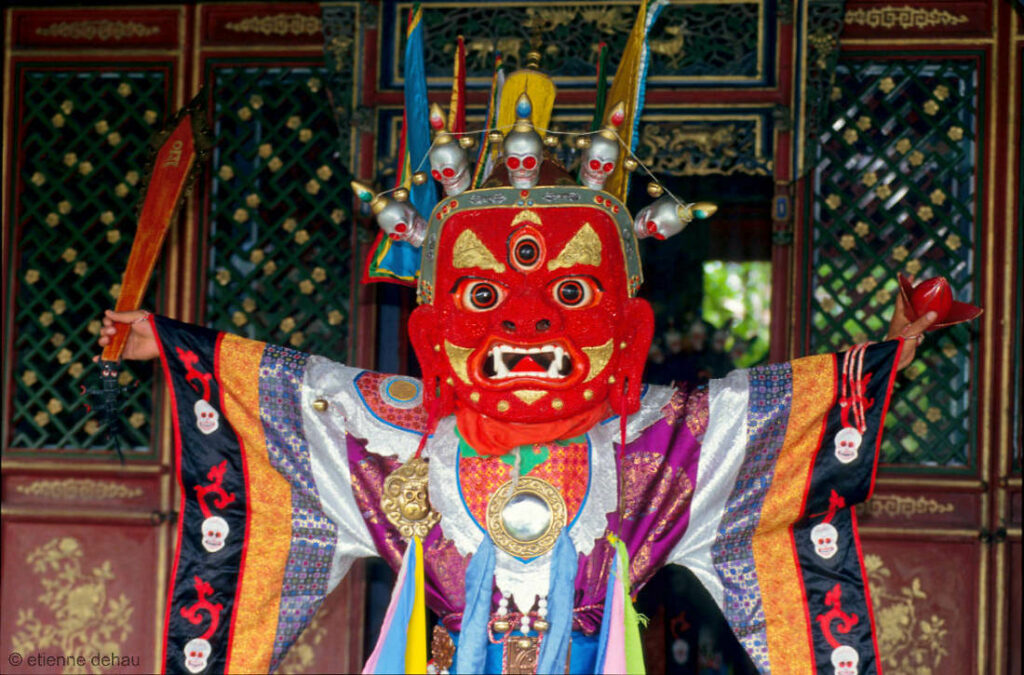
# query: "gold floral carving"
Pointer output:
{"type": "Point", "coordinates": [908, 641]}
{"type": "Point", "coordinates": [102, 30]}
{"type": "Point", "coordinates": [505, 540]}
{"type": "Point", "coordinates": [278, 24]}
{"type": "Point", "coordinates": [84, 619]}
{"type": "Point", "coordinates": [583, 249]}
{"type": "Point", "coordinates": [905, 17]}
{"type": "Point", "coordinates": [893, 506]}
{"type": "Point", "coordinates": [301, 656]}
{"type": "Point", "coordinates": [404, 500]}
{"type": "Point", "coordinates": [79, 489]}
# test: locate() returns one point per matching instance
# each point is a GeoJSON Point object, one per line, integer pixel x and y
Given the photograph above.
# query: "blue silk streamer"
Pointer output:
{"type": "Point", "coordinates": [555, 645]}
{"type": "Point", "coordinates": [471, 653]}
{"type": "Point", "coordinates": [392, 653]}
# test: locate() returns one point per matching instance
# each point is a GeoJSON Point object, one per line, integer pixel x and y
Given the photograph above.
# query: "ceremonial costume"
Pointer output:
{"type": "Point", "coordinates": [529, 484]}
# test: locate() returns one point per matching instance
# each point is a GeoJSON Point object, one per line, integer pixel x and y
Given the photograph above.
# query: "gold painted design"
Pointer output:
{"type": "Point", "coordinates": [85, 618]}
{"type": "Point", "coordinates": [75, 489]}
{"type": "Point", "coordinates": [599, 358]}
{"type": "Point", "coordinates": [908, 642]}
{"type": "Point", "coordinates": [557, 404]}
{"type": "Point", "coordinates": [404, 500]}
{"type": "Point", "coordinates": [905, 17]}
{"type": "Point", "coordinates": [540, 488]}
{"type": "Point", "coordinates": [101, 30]}
{"type": "Point", "coordinates": [892, 506]}
{"type": "Point", "coordinates": [503, 406]}
{"type": "Point", "coordinates": [529, 396]}
{"type": "Point", "coordinates": [457, 357]}
{"type": "Point", "coordinates": [278, 24]}
{"type": "Point", "coordinates": [469, 251]}
{"type": "Point", "coordinates": [683, 148]}
{"type": "Point", "coordinates": [526, 216]}
{"type": "Point", "coordinates": [583, 249]}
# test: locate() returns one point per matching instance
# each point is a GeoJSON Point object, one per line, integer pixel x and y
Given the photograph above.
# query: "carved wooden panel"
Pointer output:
{"type": "Point", "coordinates": [924, 622]}
{"type": "Point", "coordinates": [927, 20]}
{"type": "Point", "coordinates": [82, 597]}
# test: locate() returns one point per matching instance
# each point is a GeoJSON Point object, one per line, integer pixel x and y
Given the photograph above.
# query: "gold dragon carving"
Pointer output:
{"type": "Point", "coordinates": [85, 617]}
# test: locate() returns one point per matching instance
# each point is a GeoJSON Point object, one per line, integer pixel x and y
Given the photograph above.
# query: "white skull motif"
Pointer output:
{"type": "Point", "coordinates": [825, 538]}
{"type": "Point", "coordinates": [197, 651]}
{"type": "Point", "coordinates": [400, 221]}
{"type": "Point", "coordinates": [598, 161]}
{"type": "Point", "coordinates": [449, 165]}
{"type": "Point", "coordinates": [215, 533]}
{"type": "Point", "coordinates": [847, 442]}
{"type": "Point", "coordinates": [845, 660]}
{"type": "Point", "coordinates": [680, 651]}
{"type": "Point", "coordinates": [207, 418]}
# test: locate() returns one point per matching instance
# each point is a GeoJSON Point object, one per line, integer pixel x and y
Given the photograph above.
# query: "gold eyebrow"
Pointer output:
{"type": "Point", "coordinates": [528, 216]}
{"type": "Point", "coordinates": [469, 251]}
{"type": "Point", "coordinates": [583, 249]}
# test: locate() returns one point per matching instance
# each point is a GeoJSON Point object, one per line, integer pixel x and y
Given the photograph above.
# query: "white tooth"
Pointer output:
{"type": "Point", "coordinates": [552, 369]}
{"type": "Point", "coordinates": [500, 371]}
{"type": "Point", "coordinates": [534, 350]}
{"type": "Point", "coordinates": [559, 356]}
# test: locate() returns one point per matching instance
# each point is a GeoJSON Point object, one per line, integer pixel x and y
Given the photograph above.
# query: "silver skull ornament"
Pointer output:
{"type": "Point", "coordinates": [449, 165]}
{"type": "Point", "coordinates": [207, 417]}
{"type": "Point", "coordinates": [666, 217]}
{"type": "Point", "coordinates": [847, 443]}
{"type": "Point", "coordinates": [599, 160]}
{"type": "Point", "coordinates": [400, 220]}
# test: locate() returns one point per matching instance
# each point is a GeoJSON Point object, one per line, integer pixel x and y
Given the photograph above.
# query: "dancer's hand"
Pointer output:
{"type": "Point", "coordinates": [913, 333]}
{"type": "Point", "coordinates": [141, 345]}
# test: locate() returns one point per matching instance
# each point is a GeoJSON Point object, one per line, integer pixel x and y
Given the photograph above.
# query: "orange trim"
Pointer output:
{"type": "Point", "coordinates": [268, 514]}
{"type": "Point", "coordinates": [787, 622]}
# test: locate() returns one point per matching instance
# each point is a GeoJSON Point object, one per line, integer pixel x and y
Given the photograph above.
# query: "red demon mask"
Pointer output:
{"type": "Point", "coordinates": [528, 314]}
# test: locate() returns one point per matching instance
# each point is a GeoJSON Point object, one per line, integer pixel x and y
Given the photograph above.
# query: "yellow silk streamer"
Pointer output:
{"type": "Point", "coordinates": [416, 638]}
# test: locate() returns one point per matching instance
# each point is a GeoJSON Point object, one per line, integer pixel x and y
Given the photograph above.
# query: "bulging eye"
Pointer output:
{"type": "Point", "coordinates": [449, 172]}
{"type": "Point", "coordinates": [526, 249]}
{"type": "Point", "coordinates": [574, 292]}
{"type": "Point", "coordinates": [481, 296]}
{"type": "Point", "coordinates": [529, 162]}
{"type": "Point", "coordinates": [608, 166]}
{"type": "Point", "coordinates": [436, 174]}
{"type": "Point", "coordinates": [512, 162]}
{"type": "Point", "coordinates": [595, 164]}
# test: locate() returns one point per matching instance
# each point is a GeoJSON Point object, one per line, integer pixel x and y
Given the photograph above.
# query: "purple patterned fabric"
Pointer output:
{"type": "Point", "coordinates": [732, 553]}
{"type": "Point", "coordinates": [313, 533]}
{"type": "Point", "coordinates": [657, 473]}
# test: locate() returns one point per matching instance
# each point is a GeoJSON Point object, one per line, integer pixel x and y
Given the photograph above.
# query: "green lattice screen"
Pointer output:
{"type": "Point", "coordinates": [82, 146]}
{"type": "Point", "coordinates": [280, 261]}
{"type": "Point", "coordinates": [894, 191]}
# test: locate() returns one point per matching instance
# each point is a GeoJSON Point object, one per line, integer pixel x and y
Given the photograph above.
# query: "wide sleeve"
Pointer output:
{"type": "Point", "coordinates": [267, 525]}
{"type": "Point", "coordinates": [789, 449]}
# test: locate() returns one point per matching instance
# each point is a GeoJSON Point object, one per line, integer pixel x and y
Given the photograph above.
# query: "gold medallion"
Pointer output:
{"type": "Point", "coordinates": [404, 500]}
{"type": "Point", "coordinates": [525, 522]}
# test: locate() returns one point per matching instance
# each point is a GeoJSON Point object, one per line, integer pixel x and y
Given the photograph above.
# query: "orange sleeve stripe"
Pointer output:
{"type": "Point", "coordinates": [778, 571]}
{"type": "Point", "coordinates": [268, 513]}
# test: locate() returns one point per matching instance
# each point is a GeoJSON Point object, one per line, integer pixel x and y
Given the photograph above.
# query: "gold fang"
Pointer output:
{"type": "Point", "coordinates": [599, 358]}
{"type": "Point", "coordinates": [469, 251]}
{"type": "Point", "coordinates": [458, 356]}
{"type": "Point", "coordinates": [529, 396]}
{"type": "Point", "coordinates": [527, 216]}
{"type": "Point", "coordinates": [583, 249]}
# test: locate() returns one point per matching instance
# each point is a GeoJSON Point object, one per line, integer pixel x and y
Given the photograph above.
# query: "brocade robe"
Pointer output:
{"type": "Point", "coordinates": [728, 480]}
